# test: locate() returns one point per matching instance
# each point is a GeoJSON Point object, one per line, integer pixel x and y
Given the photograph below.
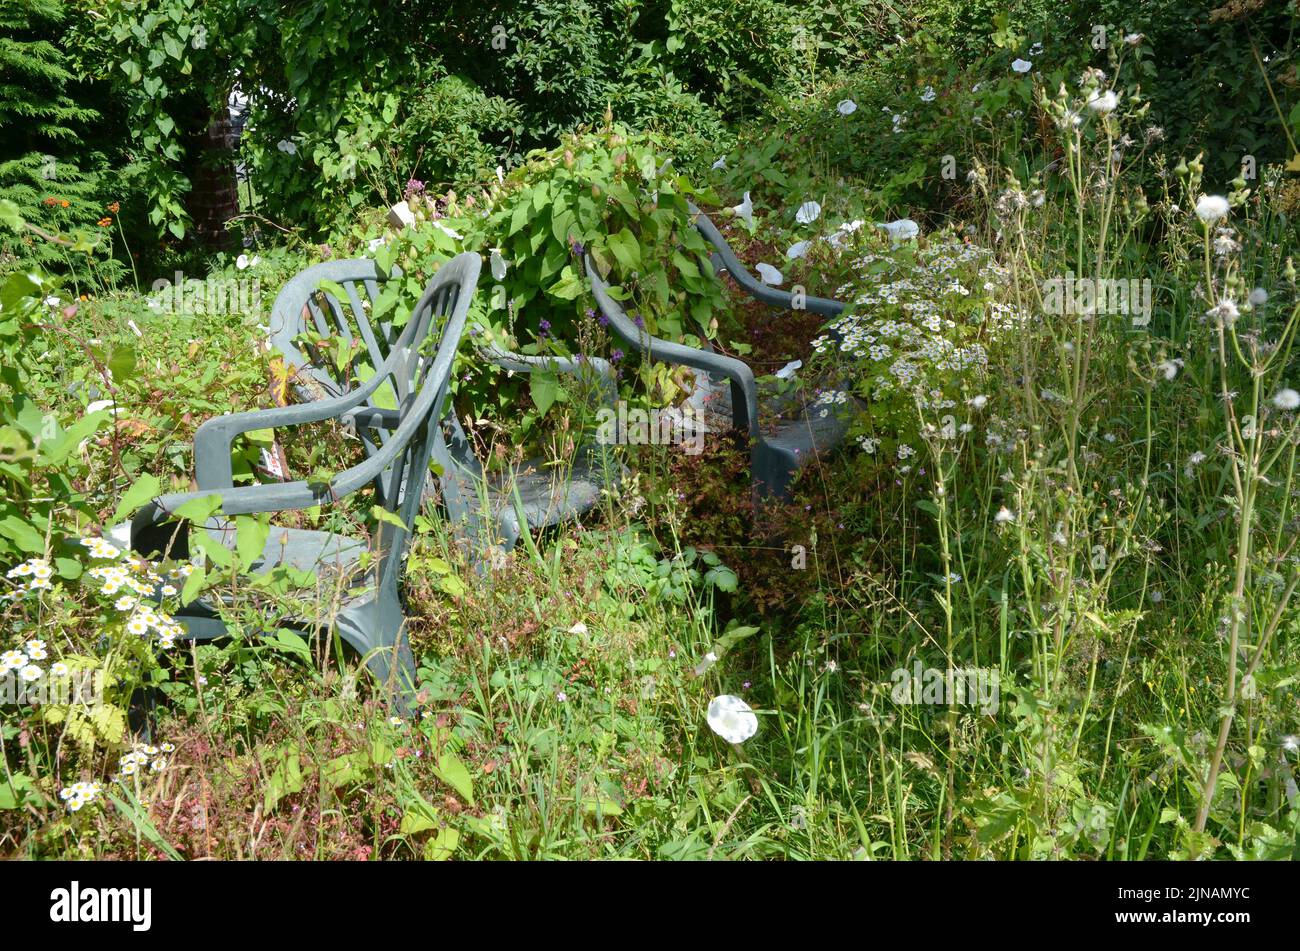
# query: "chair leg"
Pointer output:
{"type": "Point", "coordinates": [377, 631]}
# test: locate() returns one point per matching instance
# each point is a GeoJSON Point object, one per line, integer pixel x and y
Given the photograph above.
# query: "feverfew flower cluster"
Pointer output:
{"type": "Point", "coordinates": [25, 663]}
{"type": "Point", "coordinates": [915, 331]}
{"type": "Point", "coordinates": [144, 756]}
{"type": "Point", "coordinates": [133, 585]}
{"type": "Point", "coordinates": [79, 794]}
{"type": "Point", "coordinates": [140, 758]}
{"type": "Point", "coordinates": [32, 575]}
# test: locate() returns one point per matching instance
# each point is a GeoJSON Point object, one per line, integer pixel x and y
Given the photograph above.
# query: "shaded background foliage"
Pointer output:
{"type": "Point", "coordinates": [346, 102]}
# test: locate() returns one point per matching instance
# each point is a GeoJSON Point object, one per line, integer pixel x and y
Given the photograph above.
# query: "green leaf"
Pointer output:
{"type": "Point", "coordinates": [626, 249]}
{"type": "Point", "coordinates": [442, 846]}
{"type": "Point", "coordinates": [198, 510]}
{"type": "Point", "coordinates": [142, 490]}
{"type": "Point", "coordinates": [452, 771]}
{"type": "Point", "coordinates": [251, 534]}
{"type": "Point", "coordinates": [193, 585]}
{"type": "Point", "coordinates": [418, 818]}
{"type": "Point", "coordinates": [722, 577]}
{"type": "Point", "coordinates": [22, 534]}
{"type": "Point", "coordinates": [543, 388]}
{"type": "Point", "coordinates": [381, 514]}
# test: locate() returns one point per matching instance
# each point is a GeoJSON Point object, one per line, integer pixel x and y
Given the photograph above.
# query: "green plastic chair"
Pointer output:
{"type": "Point", "coordinates": [481, 506]}
{"type": "Point", "coordinates": [417, 365]}
{"type": "Point", "coordinates": [778, 452]}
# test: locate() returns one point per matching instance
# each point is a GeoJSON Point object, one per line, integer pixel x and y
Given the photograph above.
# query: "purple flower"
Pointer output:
{"type": "Point", "coordinates": [577, 247]}
{"type": "Point", "coordinates": [745, 685]}
{"type": "Point", "coordinates": [545, 326]}
{"type": "Point", "coordinates": [413, 187]}
{"type": "Point", "coordinates": [616, 356]}
{"type": "Point", "coordinates": [639, 321]}
{"type": "Point", "coordinates": [604, 321]}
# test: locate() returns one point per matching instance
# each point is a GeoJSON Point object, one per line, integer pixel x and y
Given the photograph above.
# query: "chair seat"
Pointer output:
{"type": "Point", "coordinates": [787, 422]}
{"type": "Point", "coordinates": [549, 495]}
{"type": "Point", "coordinates": [302, 549]}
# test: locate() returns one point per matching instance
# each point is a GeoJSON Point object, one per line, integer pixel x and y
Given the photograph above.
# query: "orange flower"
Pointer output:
{"type": "Point", "coordinates": [65, 203]}
{"type": "Point", "coordinates": [105, 222]}
{"type": "Point", "coordinates": [115, 207]}
{"type": "Point", "coordinates": [51, 201]}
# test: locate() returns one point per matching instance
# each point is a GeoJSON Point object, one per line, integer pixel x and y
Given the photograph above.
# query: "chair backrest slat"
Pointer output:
{"type": "Point", "coordinates": [377, 354]}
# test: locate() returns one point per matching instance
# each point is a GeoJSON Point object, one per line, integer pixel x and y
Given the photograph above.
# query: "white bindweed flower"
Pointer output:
{"type": "Point", "coordinates": [1021, 65]}
{"type": "Point", "coordinates": [1210, 208]}
{"type": "Point", "coordinates": [287, 147]}
{"type": "Point", "coordinates": [1103, 103]}
{"type": "Point", "coordinates": [1287, 399]}
{"type": "Point", "coordinates": [846, 107]}
{"type": "Point", "coordinates": [798, 250]}
{"type": "Point", "coordinates": [1291, 743]}
{"type": "Point", "coordinates": [745, 210]}
{"type": "Point", "coordinates": [904, 229]}
{"type": "Point", "coordinates": [401, 215]}
{"type": "Point", "coordinates": [788, 371]}
{"type": "Point", "coordinates": [498, 265]}
{"type": "Point", "coordinates": [578, 628]}
{"type": "Point", "coordinates": [1004, 516]}
{"type": "Point", "coordinates": [1133, 39]}
{"type": "Point", "coordinates": [769, 275]}
{"type": "Point", "coordinates": [732, 719]}
{"type": "Point", "coordinates": [928, 95]}
{"type": "Point", "coordinates": [978, 402]}
{"type": "Point", "coordinates": [721, 163]}
{"type": "Point", "coordinates": [808, 212]}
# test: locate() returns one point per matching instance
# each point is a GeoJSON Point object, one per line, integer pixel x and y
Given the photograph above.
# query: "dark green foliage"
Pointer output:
{"type": "Point", "coordinates": [46, 169]}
